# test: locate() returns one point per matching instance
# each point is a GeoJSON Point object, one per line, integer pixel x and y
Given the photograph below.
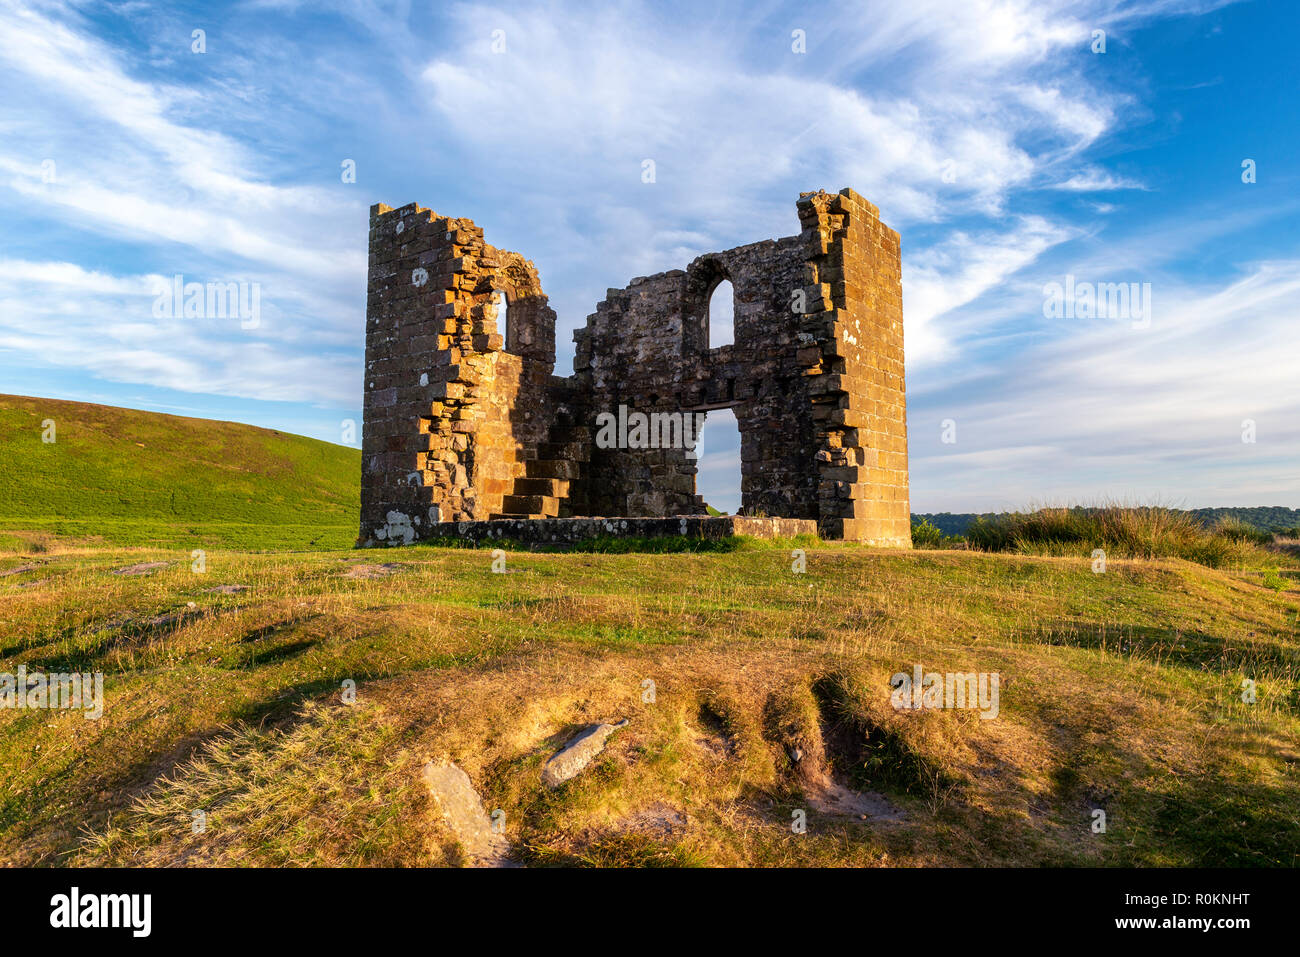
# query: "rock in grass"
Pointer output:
{"type": "Point", "coordinates": [578, 753]}
{"type": "Point", "coordinates": [372, 571]}
{"type": "Point", "coordinates": [462, 810]}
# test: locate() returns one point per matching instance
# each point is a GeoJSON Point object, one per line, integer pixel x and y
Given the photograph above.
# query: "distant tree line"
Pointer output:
{"type": "Point", "coordinates": [1269, 518]}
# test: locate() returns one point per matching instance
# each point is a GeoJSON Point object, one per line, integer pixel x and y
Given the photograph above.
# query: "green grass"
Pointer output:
{"type": "Point", "coordinates": [124, 477]}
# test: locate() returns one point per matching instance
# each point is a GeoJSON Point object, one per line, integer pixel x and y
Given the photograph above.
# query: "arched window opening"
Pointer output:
{"type": "Point", "coordinates": [722, 309]}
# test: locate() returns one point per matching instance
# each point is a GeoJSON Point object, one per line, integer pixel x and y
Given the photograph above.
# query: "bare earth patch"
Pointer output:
{"type": "Point", "coordinates": [864, 805]}
{"type": "Point", "coordinates": [373, 571]}
{"type": "Point", "coordinates": [660, 821]}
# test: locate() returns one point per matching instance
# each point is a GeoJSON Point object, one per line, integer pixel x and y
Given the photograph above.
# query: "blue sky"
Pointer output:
{"type": "Point", "coordinates": [1007, 153]}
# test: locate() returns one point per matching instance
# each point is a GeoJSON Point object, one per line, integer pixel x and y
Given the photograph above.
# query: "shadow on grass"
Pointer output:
{"type": "Point", "coordinates": [132, 633]}
{"type": "Point", "coordinates": [1194, 649]}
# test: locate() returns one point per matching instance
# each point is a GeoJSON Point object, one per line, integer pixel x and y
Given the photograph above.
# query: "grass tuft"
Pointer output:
{"type": "Point", "coordinates": [1124, 532]}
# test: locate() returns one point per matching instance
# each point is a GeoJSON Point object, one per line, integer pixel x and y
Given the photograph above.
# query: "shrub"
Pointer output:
{"type": "Point", "coordinates": [926, 535]}
{"type": "Point", "coordinates": [1275, 580]}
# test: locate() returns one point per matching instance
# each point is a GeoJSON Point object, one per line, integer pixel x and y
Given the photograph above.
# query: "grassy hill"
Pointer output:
{"type": "Point", "coordinates": [127, 477]}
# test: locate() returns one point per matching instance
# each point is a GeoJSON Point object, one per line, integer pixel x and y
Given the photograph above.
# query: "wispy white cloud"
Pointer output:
{"type": "Point", "coordinates": [1094, 181]}
{"type": "Point", "coordinates": [721, 121]}
{"type": "Point", "coordinates": [62, 315]}
{"type": "Point", "coordinates": [959, 270]}
{"type": "Point", "coordinates": [1153, 414]}
{"type": "Point", "coordinates": [153, 176]}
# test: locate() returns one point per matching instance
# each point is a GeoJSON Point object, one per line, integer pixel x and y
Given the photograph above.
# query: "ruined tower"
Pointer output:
{"type": "Point", "coordinates": [466, 423]}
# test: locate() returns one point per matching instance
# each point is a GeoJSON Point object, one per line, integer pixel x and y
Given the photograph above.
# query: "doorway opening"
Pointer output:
{"type": "Point", "coordinates": [718, 462]}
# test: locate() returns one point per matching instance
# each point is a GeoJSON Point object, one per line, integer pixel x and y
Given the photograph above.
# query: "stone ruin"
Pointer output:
{"type": "Point", "coordinates": [468, 432]}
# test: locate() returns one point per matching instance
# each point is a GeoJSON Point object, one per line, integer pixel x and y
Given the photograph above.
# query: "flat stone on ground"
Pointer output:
{"type": "Point", "coordinates": [578, 753]}
{"type": "Point", "coordinates": [372, 571]}
{"type": "Point", "coordinates": [143, 568]}
{"type": "Point", "coordinates": [462, 810]}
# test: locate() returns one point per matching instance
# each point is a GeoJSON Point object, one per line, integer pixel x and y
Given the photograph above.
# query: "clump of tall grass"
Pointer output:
{"type": "Point", "coordinates": [1123, 532]}
{"type": "Point", "coordinates": [1239, 531]}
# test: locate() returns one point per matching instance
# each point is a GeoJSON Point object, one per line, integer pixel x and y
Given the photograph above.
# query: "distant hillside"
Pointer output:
{"type": "Point", "coordinates": [1267, 517]}
{"type": "Point", "coordinates": [129, 476]}
{"type": "Point", "coordinates": [951, 523]}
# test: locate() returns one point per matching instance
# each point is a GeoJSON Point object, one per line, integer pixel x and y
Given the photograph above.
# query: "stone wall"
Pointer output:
{"type": "Point", "coordinates": [462, 424]}
{"type": "Point", "coordinates": [855, 361]}
{"type": "Point", "coordinates": [448, 411]}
